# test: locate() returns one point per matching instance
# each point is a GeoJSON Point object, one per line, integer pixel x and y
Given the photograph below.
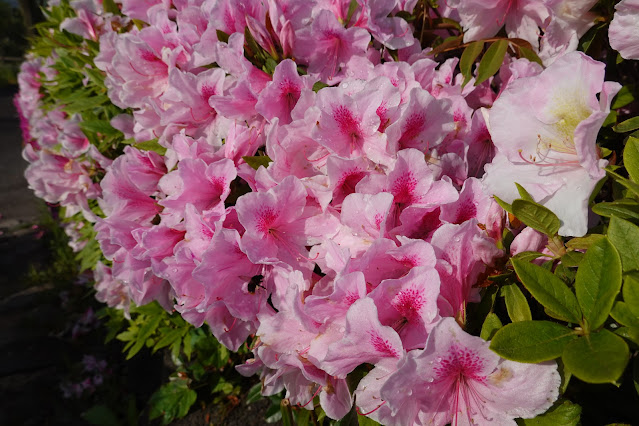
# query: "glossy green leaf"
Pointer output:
{"type": "Point", "coordinates": [572, 258]}
{"type": "Point", "coordinates": [98, 126]}
{"type": "Point", "coordinates": [625, 208]}
{"type": "Point", "coordinates": [257, 161]}
{"type": "Point", "coordinates": [468, 57]}
{"type": "Point", "coordinates": [527, 256]}
{"type": "Point", "coordinates": [598, 282]}
{"type": "Point", "coordinates": [627, 126]}
{"type": "Point", "coordinates": [536, 216]}
{"type": "Point", "coordinates": [492, 60]}
{"type": "Point", "coordinates": [583, 243]}
{"type": "Point", "coordinates": [630, 185]}
{"type": "Point", "coordinates": [629, 333]}
{"type": "Point", "coordinates": [516, 303]}
{"type": "Point", "coordinates": [530, 54]}
{"type": "Point", "coordinates": [597, 358]}
{"type": "Point", "coordinates": [492, 323]}
{"type": "Point", "coordinates": [623, 98]}
{"type": "Point", "coordinates": [631, 157]}
{"type": "Point", "coordinates": [531, 341]}
{"type": "Point", "coordinates": [622, 313]}
{"type": "Point", "coordinates": [562, 413]}
{"type": "Point", "coordinates": [630, 292]}
{"type": "Point", "coordinates": [254, 394]}
{"type": "Point", "coordinates": [548, 290]}
{"type": "Point", "coordinates": [525, 195]}
{"type": "Point", "coordinates": [624, 236]}
{"type": "Point", "coordinates": [504, 205]}
{"type": "Point", "coordinates": [171, 401]}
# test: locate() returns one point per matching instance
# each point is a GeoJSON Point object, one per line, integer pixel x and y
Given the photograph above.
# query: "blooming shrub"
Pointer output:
{"type": "Point", "coordinates": [359, 188]}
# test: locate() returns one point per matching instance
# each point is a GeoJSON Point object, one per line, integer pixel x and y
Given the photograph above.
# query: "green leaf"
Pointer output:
{"type": "Point", "coordinates": [630, 185]}
{"type": "Point", "coordinates": [151, 145]}
{"type": "Point", "coordinates": [622, 313]}
{"type": "Point", "coordinates": [492, 323]}
{"type": "Point", "coordinates": [549, 290]}
{"type": "Point", "coordinates": [598, 282]}
{"type": "Point", "coordinates": [302, 417]}
{"type": "Point", "coordinates": [536, 216]}
{"type": "Point", "coordinates": [589, 37]}
{"type": "Point", "coordinates": [516, 303]}
{"type": "Point", "coordinates": [631, 292]}
{"type": "Point", "coordinates": [525, 195]}
{"type": "Point", "coordinates": [562, 413]}
{"type": "Point", "coordinates": [352, 7]}
{"type": "Point", "coordinates": [623, 98]}
{"type": "Point", "coordinates": [627, 126]}
{"type": "Point", "coordinates": [530, 55]}
{"type": "Point", "coordinates": [222, 36]}
{"type": "Point", "coordinates": [597, 358]}
{"type": "Point", "coordinates": [366, 421]}
{"type": "Point", "coordinates": [531, 341]}
{"type": "Point", "coordinates": [171, 401]}
{"type": "Point", "coordinates": [527, 256]}
{"type": "Point", "coordinates": [631, 157]}
{"type": "Point", "coordinates": [625, 208]}
{"type": "Point", "coordinates": [98, 126]}
{"type": "Point", "coordinates": [110, 7]}
{"type": "Point", "coordinates": [146, 330]}
{"type": "Point", "coordinates": [273, 413]}
{"type": "Point", "coordinates": [350, 419]}
{"type": "Point", "coordinates": [504, 205]}
{"type": "Point", "coordinates": [468, 57]}
{"type": "Point", "coordinates": [492, 60]}
{"type": "Point", "coordinates": [168, 339]}
{"type": "Point", "coordinates": [629, 333]}
{"type": "Point", "coordinates": [257, 161]}
{"type": "Point", "coordinates": [319, 86]}
{"type": "Point", "coordinates": [624, 236]}
{"type": "Point", "coordinates": [254, 394]}
{"type": "Point", "coordinates": [583, 243]}
{"type": "Point", "coordinates": [635, 373]}
{"type": "Point", "coordinates": [572, 258]}
{"type": "Point", "coordinates": [100, 415]}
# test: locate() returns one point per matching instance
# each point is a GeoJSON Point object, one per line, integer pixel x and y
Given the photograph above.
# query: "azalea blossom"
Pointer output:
{"type": "Point", "coordinates": [553, 153]}
{"type": "Point", "coordinates": [624, 29]}
{"type": "Point", "coordinates": [457, 379]}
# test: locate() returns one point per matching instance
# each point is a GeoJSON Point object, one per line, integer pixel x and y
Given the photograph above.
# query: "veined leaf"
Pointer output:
{"type": "Point", "coordinates": [516, 303]}
{"type": "Point", "coordinates": [597, 358]}
{"type": "Point", "coordinates": [624, 236]}
{"type": "Point", "coordinates": [492, 60]}
{"type": "Point", "coordinates": [531, 341]}
{"type": "Point", "coordinates": [598, 282]}
{"type": "Point", "coordinates": [468, 57]}
{"type": "Point", "coordinates": [549, 290]}
{"type": "Point", "coordinates": [536, 216]}
{"type": "Point", "coordinates": [631, 156]}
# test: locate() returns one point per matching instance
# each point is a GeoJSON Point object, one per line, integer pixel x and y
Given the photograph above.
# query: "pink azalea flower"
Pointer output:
{"type": "Point", "coordinates": [280, 96]}
{"type": "Point", "coordinates": [483, 19]}
{"type": "Point", "coordinates": [457, 379]}
{"type": "Point", "coordinates": [624, 29]}
{"type": "Point", "coordinates": [553, 154]}
{"type": "Point", "coordinates": [326, 45]}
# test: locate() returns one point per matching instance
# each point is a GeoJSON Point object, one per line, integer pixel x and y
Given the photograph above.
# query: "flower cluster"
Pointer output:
{"type": "Point", "coordinates": [319, 181]}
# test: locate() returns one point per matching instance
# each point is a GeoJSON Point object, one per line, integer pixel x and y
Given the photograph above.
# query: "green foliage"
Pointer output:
{"type": "Point", "coordinates": [563, 413]}
{"type": "Point", "coordinates": [172, 401]}
{"type": "Point", "coordinates": [491, 61]}
{"type": "Point", "coordinates": [531, 341]}
{"type": "Point", "coordinates": [516, 303]}
{"type": "Point", "coordinates": [536, 216]}
{"type": "Point", "coordinates": [599, 357]}
{"type": "Point", "coordinates": [257, 161]}
{"type": "Point", "coordinates": [597, 283]}
{"type": "Point", "coordinates": [548, 290]}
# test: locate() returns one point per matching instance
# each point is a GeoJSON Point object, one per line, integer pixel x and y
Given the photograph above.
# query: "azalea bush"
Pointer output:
{"type": "Point", "coordinates": [393, 211]}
